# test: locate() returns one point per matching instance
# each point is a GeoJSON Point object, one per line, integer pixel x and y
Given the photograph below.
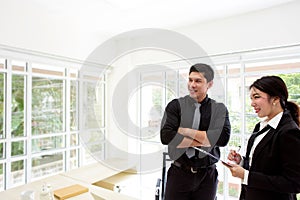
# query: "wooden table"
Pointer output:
{"type": "Point", "coordinates": [98, 171]}
{"type": "Point", "coordinates": [84, 176]}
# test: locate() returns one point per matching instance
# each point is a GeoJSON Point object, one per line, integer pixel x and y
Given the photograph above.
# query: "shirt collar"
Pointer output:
{"type": "Point", "coordinates": [273, 122]}
{"type": "Point", "coordinates": [202, 102]}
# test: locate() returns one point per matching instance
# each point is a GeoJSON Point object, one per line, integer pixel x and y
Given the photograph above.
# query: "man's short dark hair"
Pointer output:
{"type": "Point", "coordinates": [205, 69]}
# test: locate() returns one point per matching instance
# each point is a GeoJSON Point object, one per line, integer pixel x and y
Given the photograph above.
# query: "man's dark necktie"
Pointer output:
{"type": "Point", "coordinates": [190, 152]}
{"type": "Point", "coordinates": [250, 144]}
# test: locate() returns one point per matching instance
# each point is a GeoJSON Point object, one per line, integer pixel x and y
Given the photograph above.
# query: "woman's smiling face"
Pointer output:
{"type": "Point", "coordinates": [263, 104]}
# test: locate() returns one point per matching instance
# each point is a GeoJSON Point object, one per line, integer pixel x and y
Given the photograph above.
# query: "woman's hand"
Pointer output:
{"type": "Point", "coordinates": [237, 171]}
{"type": "Point", "coordinates": [234, 157]}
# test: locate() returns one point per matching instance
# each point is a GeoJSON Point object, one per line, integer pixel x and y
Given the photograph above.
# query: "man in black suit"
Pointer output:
{"type": "Point", "coordinates": [190, 121]}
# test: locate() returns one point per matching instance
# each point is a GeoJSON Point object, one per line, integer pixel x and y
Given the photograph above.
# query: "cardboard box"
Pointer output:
{"type": "Point", "coordinates": [70, 191]}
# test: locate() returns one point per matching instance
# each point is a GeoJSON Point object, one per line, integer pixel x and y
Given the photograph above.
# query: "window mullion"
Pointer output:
{"type": "Point", "coordinates": [8, 93]}
{"type": "Point", "coordinates": [28, 116]}
{"type": "Point", "coordinates": [67, 92]}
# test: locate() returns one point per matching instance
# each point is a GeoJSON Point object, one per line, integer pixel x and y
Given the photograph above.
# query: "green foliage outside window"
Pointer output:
{"type": "Point", "coordinates": [1, 105]}
{"type": "Point", "coordinates": [292, 82]}
{"type": "Point", "coordinates": [1, 169]}
{"type": "Point", "coordinates": [17, 106]}
{"type": "Point", "coordinates": [17, 165]}
{"type": "Point", "coordinates": [50, 115]}
{"type": "Point", "coordinates": [47, 105]}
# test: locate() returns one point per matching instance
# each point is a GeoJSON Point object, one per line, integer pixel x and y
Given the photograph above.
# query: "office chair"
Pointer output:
{"type": "Point", "coordinates": [161, 182]}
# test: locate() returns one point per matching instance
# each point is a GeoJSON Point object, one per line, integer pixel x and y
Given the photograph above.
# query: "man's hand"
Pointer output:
{"type": "Point", "coordinates": [200, 137]}
{"type": "Point", "coordinates": [187, 132]}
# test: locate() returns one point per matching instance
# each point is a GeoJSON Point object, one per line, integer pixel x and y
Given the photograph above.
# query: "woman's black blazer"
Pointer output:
{"type": "Point", "coordinates": [275, 170]}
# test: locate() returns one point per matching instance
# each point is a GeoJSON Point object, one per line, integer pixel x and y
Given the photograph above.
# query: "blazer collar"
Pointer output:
{"type": "Point", "coordinates": [262, 144]}
{"type": "Point", "coordinates": [284, 119]}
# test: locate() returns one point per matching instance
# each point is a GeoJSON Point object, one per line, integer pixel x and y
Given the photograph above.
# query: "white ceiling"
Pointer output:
{"type": "Point", "coordinates": [114, 16]}
{"type": "Point", "coordinates": [75, 27]}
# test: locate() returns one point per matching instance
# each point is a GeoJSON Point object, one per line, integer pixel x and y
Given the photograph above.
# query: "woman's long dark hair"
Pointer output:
{"type": "Point", "coordinates": [275, 87]}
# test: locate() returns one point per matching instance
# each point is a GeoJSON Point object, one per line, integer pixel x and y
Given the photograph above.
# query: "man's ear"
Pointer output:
{"type": "Point", "coordinates": [210, 84]}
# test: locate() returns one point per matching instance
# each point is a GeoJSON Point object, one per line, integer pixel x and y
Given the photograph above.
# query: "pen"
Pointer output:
{"type": "Point", "coordinates": [239, 148]}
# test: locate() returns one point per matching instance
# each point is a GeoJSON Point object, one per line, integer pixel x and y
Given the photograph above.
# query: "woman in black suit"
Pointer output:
{"type": "Point", "coordinates": [270, 170]}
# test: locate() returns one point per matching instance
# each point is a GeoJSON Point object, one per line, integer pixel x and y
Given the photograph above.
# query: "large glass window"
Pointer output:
{"type": "Point", "coordinates": [1, 175]}
{"type": "Point", "coordinates": [152, 99]}
{"type": "Point", "coordinates": [39, 120]}
{"type": "Point", "coordinates": [235, 73]}
{"type": "Point", "coordinates": [47, 120]}
{"type": "Point", "coordinates": [92, 124]}
{"type": "Point", "coordinates": [17, 106]}
{"type": "Point", "coordinates": [47, 164]}
{"type": "Point", "coordinates": [47, 105]}
{"type": "Point", "coordinates": [2, 104]}
{"type": "Point", "coordinates": [2, 112]}
{"type": "Point", "coordinates": [17, 175]}
{"type": "Point", "coordinates": [74, 105]}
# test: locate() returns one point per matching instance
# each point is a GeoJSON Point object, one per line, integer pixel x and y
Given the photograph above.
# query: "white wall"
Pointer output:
{"type": "Point", "coordinates": [266, 28]}
{"type": "Point", "coordinates": [27, 27]}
